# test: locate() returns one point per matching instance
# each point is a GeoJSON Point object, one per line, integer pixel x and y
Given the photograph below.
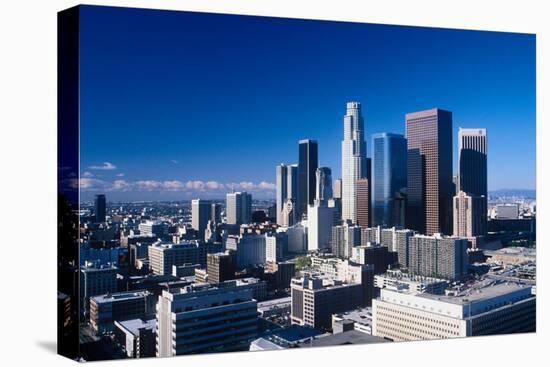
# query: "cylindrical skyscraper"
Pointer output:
{"type": "Point", "coordinates": [354, 159]}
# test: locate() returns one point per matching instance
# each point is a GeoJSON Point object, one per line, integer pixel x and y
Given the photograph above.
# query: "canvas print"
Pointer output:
{"type": "Point", "coordinates": [244, 183]}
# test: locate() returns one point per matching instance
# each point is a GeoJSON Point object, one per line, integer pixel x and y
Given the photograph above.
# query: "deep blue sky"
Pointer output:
{"type": "Point", "coordinates": [175, 96]}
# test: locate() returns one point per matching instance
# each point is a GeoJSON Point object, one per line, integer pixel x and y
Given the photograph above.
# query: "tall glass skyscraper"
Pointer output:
{"type": "Point", "coordinates": [472, 161]}
{"type": "Point", "coordinates": [286, 187]}
{"type": "Point", "coordinates": [389, 177]}
{"type": "Point", "coordinates": [100, 208]}
{"type": "Point", "coordinates": [354, 159]}
{"type": "Point", "coordinates": [308, 163]}
{"type": "Point", "coordinates": [430, 171]}
{"type": "Point", "coordinates": [323, 185]}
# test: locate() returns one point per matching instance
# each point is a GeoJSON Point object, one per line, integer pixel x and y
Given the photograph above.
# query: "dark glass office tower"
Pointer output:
{"type": "Point", "coordinates": [389, 178]}
{"type": "Point", "coordinates": [100, 205]}
{"type": "Point", "coordinates": [472, 161]}
{"type": "Point", "coordinates": [429, 171]}
{"type": "Point", "coordinates": [307, 165]}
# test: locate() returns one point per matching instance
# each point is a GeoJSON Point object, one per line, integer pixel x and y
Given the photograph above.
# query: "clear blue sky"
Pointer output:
{"type": "Point", "coordinates": [171, 101]}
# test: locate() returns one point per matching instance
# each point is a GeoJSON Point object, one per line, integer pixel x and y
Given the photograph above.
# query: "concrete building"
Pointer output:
{"type": "Point", "coordinates": [153, 228]}
{"type": "Point", "coordinates": [96, 279]}
{"type": "Point", "coordinates": [402, 246]}
{"type": "Point", "coordinates": [354, 159]}
{"type": "Point", "coordinates": [221, 266]}
{"type": "Point", "coordinates": [308, 163]}
{"type": "Point", "coordinates": [507, 211]}
{"type": "Point", "coordinates": [337, 189]}
{"type": "Point", "coordinates": [315, 297]}
{"type": "Point", "coordinates": [162, 256]}
{"type": "Point", "coordinates": [389, 177]}
{"type": "Point", "coordinates": [376, 255]}
{"type": "Point", "coordinates": [319, 223]}
{"type": "Point", "coordinates": [469, 215]}
{"type": "Point", "coordinates": [238, 208]}
{"type": "Point", "coordinates": [216, 213]}
{"type": "Point", "coordinates": [108, 308]}
{"type": "Point", "coordinates": [488, 308]}
{"type": "Point", "coordinates": [438, 256]}
{"type": "Point", "coordinates": [400, 281]}
{"type": "Point", "coordinates": [250, 249]}
{"type": "Point", "coordinates": [297, 238]}
{"type": "Point", "coordinates": [205, 319]}
{"type": "Point", "coordinates": [371, 235]}
{"type": "Point", "coordinates": [137, 336]}
{"type": "Point", "coordinates": [359, 319]}
{"type": "Point", "coordinates": [276, 245]}
{"type": "Point", "coordinates": [344, 239]}
{"type": "Point", "coordinates": [429, 171]}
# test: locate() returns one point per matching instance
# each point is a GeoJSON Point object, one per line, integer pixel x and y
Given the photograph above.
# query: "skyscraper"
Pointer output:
{"type": "Point", "coordinates": [201, 213]}
{"type": "Point", "coordinates": [337, 189]}
{"type": "Point", "coordinates": [389, 177]}
{"type": "Point", "coordinates": [216, 214]}
{"type": "Point", "coordinates": [364, 213]}
{"type": "Point", "coordinates": [307, 165]}
{"type": "Point", "coordinates": [100, 208]}
{"type": "Point", "coordinates": [472, 161]}
{"type": "Point", "coordinates": [286, 187]}
{"type": "Point", "coordinates": [354, 159]}
{"type": "Point", "coordinates": [238, 208]}
{"type": "Point", "coordinates": [429, 171]}
{"type": "Point", "coordinates": [472, 175]}
{"type": "Point", "coordinates": [469, 215]}
{"type": "Point", "coordinates": [323, 179]}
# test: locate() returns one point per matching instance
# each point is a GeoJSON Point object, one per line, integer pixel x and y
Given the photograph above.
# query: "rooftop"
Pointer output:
{"type": "Point", "coordinates": [120, 296]}
{"type": "Point", "coordinates": [345, 338]}
{"type": "Point", "coordinates": [133, 326]}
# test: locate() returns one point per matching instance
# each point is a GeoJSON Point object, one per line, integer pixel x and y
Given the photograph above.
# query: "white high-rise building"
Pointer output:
{"type": "Point", "coordinates": [238, 207]}
{"type": "Point", "coordinates": [354, 159]}
{"type": "Point", "coordinates": [319, 223]}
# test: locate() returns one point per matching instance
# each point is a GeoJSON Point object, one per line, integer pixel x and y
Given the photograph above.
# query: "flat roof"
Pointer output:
{"type": "Point", "coordinates": [347, 337]}
{"type": "Point", "coordinates": [134, 325]}
{"type": "Point", "coordinates": [120, 296]}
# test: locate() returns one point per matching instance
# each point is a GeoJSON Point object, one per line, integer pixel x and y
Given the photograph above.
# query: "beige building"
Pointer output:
{"type": "Point", "coordinates": [491, 307]}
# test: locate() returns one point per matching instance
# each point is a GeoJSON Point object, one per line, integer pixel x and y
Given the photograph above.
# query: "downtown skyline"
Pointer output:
{"type": "Point", "coordinates": [119, 157]}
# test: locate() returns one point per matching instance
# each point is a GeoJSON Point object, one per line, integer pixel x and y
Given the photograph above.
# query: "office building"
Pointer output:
{"type": "Point", "coordinates": [137, 336]}
{"type": "Point", "coordinates": [323, 180]}
{"type": "Point", "coordinates": [507, 211]}
{"type": "Point", "coordinates": [371, 235]}
{"type": "Point", "coordinates": [376, 255]}
{"type": "Point", "coordinates": [469, 215]}
{"type": "Point", "coordinates": [319, 224]}
{"type": "Point", "coordinates": [276, 245]}
{"type": "Point", "coordinates": [297, 239]}
{"type": "Point", "coordinates": [100, 208]}
{"type": "Point", "coordinates": [488, 308]}
{"type": "Point", "coordinates": [201, 213]}
{"type": "Point", "coordinates": [162, 256]}
{"type": "Point", "coordinates": [108, 308]}
{"type": "Point", "coordinates": [438, 256]}
{"type": "Point", "coordinates": [472, 161]}
{"type": "Point", "coordinates": [220, 266]}
{"type": "Point", "coordinates": [402, 246]}
{"type": "Point", "coordinates": [401, 281]}
{"type": "Point", "coordinates": [354, 159]}
{"type": "Point", "coordinates": [308, 163]}
{"type": "Point", "coordinates": [288, 215]}
{"type": "Point", "coordinates": [205, 319]}
{"type": "Point", "coordinates": [286, 189]}
{"type": "Point", "coordinates": [429, 171]}
{"type": "Point", "coordinates": [216, 213]}
{"type": "Point", "coordinates": [363, 202]}
{"type": "Point", "coordinates": [389, 178]}
{"type": "Point", "coordinates": [96, 279]}
{"type": "Point", "coordinates": [153, 228]}
{"type": "Point", "coordinates": [238, 208]}
{"type": "Point", "coordinates": [337, 189]}
{"type": "Point", "coordinates": [250, 249]}
{"type": "Point", "coordinates": [344, 238]}
{"type": "Point", "coordinates": [315, 298]}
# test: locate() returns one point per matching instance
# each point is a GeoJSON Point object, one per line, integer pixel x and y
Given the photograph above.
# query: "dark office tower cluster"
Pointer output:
{"type": "Point", "coordinates": [429, 171]}
{"type": "Point", "coordinates": [286, 188]}
{"type": "Point", "coordinates": [100, 208]}
{"type": "Point", "coordinates": [389, 179]}
{"type": "Point", "coordinates": [308, 163]}
{"type": "Point", "coordinates": [472, 179]}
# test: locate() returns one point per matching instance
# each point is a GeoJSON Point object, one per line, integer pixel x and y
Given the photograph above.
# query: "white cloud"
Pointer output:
{"type": "Point", "coordinates": [105, 166]}
{"type": "Point", "coordinates": [247, 185]}
{"type": "Point", "coordinates": [266, 185]}
{"type": "Point", "coordinates": [120, 175]}
{"type": "Point", "coordinates": [87, 174]}
{"type": "Point", "coordinates": [214, 185]}
{"type": "Point", "coordinates": [173, 185]}
{"type": "Point", "coordinates": [195, 185]}
{"type": "Point", "coordinates": [120, 185]}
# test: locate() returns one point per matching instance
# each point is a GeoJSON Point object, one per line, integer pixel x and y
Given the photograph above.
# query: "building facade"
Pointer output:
{"type": "Point", "coordinates": [308, 163]}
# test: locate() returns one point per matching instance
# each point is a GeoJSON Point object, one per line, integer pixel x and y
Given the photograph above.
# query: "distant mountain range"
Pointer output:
{"type": "Point", "coordinates": [525, 193]}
